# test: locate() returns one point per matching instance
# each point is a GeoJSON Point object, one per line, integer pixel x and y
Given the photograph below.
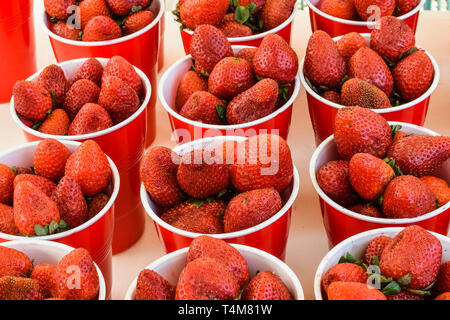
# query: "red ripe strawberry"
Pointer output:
{"type": "Point", "coordinates": [32, 207]}
{"type": "Point", "coordinates": [78, 262]}
{"type": "Point", "coordinates": [332, 96]}
{"type": "Point", "coordinates": [91, 118]}
{"type": "Point", "coordinates": [6, 184]}
{"type": "Point", "coordinates": [90, 166]}
{"type": "Point", "coordinates": [208, 46]}
{"type": "Point", "coordinates": [16, 288]}
{"type": "Point", "coordinates": [420, 155]}
{"type": "Point", "coordinates": [259, 3]}
{"type": "Point", "coordinates": [57, 123]}
{"type": "Point", "coordinates": [343, 9]}
{"type": "Point", "coordinates": [203, 106]}
{"type": "Point", "coordinates": [407, 197]}
{"type": "Point", "coordinates": [44, 275]}
{"type": "Point", "coordinates": [392, 38]}
{"type": "Point", "coordinates": [190, 83]}
{"type": "Point", "coordinates": [70, 201]}
{"type": "Point", "coordinates": [413, 251]}
{"type": "Point", "coordinates": [442, 283]}
{"type": "Point", "coordinates": [50, 159]}
{"type": "Point", "coordinates": [97, 204]}
{"type": "Point", "coordinates": [404, 295]}
{"type": "Point", "coordinates": [332, 178]}
{"type": "Point", "coordinates": [341, 290]}
{"type": "Point", "coordinates": [58, 8]}
{"type": "Point", "coordinates": [275, 59]}
{"type": "Point", "coordinates": [230, 77]}
{"type": "Point", "coordinates": [125, 7]}
{"type": "Point", "coordinates": [360, 130]}
{"type": "Point", "coordinates": [89, 9]}
{"type": "Point", "coordinates": [357, 92]}
{"type": "Point", "coordinates": [443, 296]}
{"type": "Point", "coordinates": [398, 135]}
{"type": "Point", "coordinates": [367, 210]}
{"type": "Point", "coordinates": [275, 12]}
{"type": "Point", "coordinates": [226, 152]}
{"type": "Point", "coordinates": [118, 98]}
{"type": "Point", "coordinates": [151, 286]}
{"type": "Point", "coordinates": [322, 48]}
{"type": "Point", "coordinates": [369, 175]}
{"type": "Point", "coordinates": [366, 8]}
{"type": "Point", "coordinates": [7, 224]}
{"type": "Point", "coordinates": [234, 262]}
{"type": "Point", "coordinates": [92, 70]}
{"type": "Point", "coordinates": [22, 170]}
{"type": "Point", "coordinates": [439, 187]}
{"type": "Point", "coordinates": [194, 13]}
{"type": "Point", "coordinates": [206, 279]}
{"type": "Point", "coordinates": [101, 28]}
{"type": "Point", "coordinates": [31, 100]}
{"type": "Point", "coordinates": [247, 54]}
{"type": "Point", "coordinates": [121, 68]}
{"type": "Point", "coordinates": [266, 285]}
{"type": "Point", "coordinates": [81, 92]}
{"type": "Point", "coordinates": [254, 103]}
{"type": "Point", "coordinates": [137, 21]}
{"type": "Point", "coordinates": [158, 172]}
{"type": "Point", "coordinates": [349, 44]}
{"type": "Point", "coordinates": [413, 75]}
{"type": "Point", "coordinates": [348, 272]}
{"type": "Point", "coordinates": [43, 184]}
{"type": "Point", "coordinates": [264, 162]}
{"type": "Point", "coordinates": [405, 6]}
{"type": "Point", "coordinates": [251, 208]}
{"type": "Point", "coordinates": [375, 248]}
{"type": "Point", "coordinates": [62, 29]}
{"type": "Point", "coordinates": [14, 263]}
{"type": "Point", "coordinates": [234, 29]}
{"type": "Point", "coordinates": [53, 79]}
{"type": "Point", "coordinates": [194, 217]}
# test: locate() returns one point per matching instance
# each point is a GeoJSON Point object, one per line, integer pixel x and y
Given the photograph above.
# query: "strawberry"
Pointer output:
{"type": "Point", "coordinates": [234, 29]}
{"type": "Point", "coordinates": [137, 21]}
{"type": "Point", "coordinates": [349, 44]}
{"type": "Point", "coordinates": [341, 290]}
{"type": "Point", "coordinates": [190, 83]}
{"type": "Point", "coordinates": [194, 13]}
{"type": "Point", "coordinates": [125, 7]}
{"type": "Point", "coordinates": [333, 179]}
{"type": "Point", "coordinates": [32, 207]}
{"type": "Point", "coordinates": [118, 99]}
{"type": "Point", "coordinates": [58, 8]}
{"type": "Point", "coordinates": [251, 208]}
{"type": "Point", "coordinates": [356, 92]}
{"type": "Point", "coordinates": [420, 155]}
{"type": "Point", "coordinates": [89, 9]}
{"type": "Point", "coordinates": [53, 79]}
{"type": "Point", "coordinates": [226, 152]}
{"type": "Point", "coordinates": [31, 100]}
{"type": "Point", "coordinates": [121, 68]}
{"type": "Point", "coordinates": [43, 184]}
{"type": "Point", "coordinates": [367, 210]}
{"type": "Point", "coordinates": [92, 70]}
{"type": "Point", "coordinates": [6, 184]}
{"type": "Point", "coordinates": [204, 107]}
{"type": "Point", "coordinates": [413, 75]}
{"type": "Point", "coordinates": [259, 4]}
{"type": "Point", "coordinates": [413, 251]}
{"type": "Point", "coordinates": [254, 103]}
{"type": "Point", "coordinates": [15, 288]}
{"type": "Point", "coordinates": [439, 187]}
{"type": "Point", "coordinates": [151, 286]}
{"type": "Point", "coordinates": [405, 6]}
{"type": "Point", "coordinates": [322, 48]}
{"type": "Point", "coordinates": [50, 159]}
{"type": "Point", "coordinates": [332, 96]}
{"type": "Point", "coordinates": [200, 177]}
{"type": "Point", "coordinates": [275, 59]}
{"type": "Point", "coordinates": [398, 135]}
{"type": "Point", "coordinates": [247, 54]}
{"type": "Point", "coordinates": [22, 170]}
{"type": "Point", "coordinates": [206, 246]}
{"type": "Point", "coordinates": [78, 262]}
{"type": "Point", "coordinates": [275, 12]}
{"type": "Point", "coordinates": [366, 8]}
{"type": "Point", "coordinates": [97, 204]}
{"type": "Point", "coordinates": [264, 162]}
{"type": "Point", "coordinates": [404, 295]}
{"type": "Point", "coordinates": [196, 217]}
{"type": "Point", "coordinates": [90, 167]}
{"type": "Point", "coordinates": [101, 28]}
{"type": "Point", "coordinates": [7, 224]}
{"type": "Point", "coordinates": [57, 123]}
{"type": "Point", "coordinates": [375, 249]}
{"type": "Point", "coordinates": [348, 272]}
{"type": "Point", "coordinates": [44, 275]}
{"type": "Point", "coordinates": [14, 263]}
{"type": "Point", "coordinates": [64, 30]}
{"type": "Point", "coordinates": [91, 118]}
{"type": "Point", "coordinates": [158, 173]}
{"type": "Point", "coordinates": [208, 46]}
{"type": "Point", "coordinates": [360, 130]}
{"type": "Point", "coordinates": [443, 296]}
{"type": "Point", "coordinates": [266, 285]}
{"type": "Point", "coordinates": [343, 9]}
{"type": "Point", "coordinates": [442, 283]}
{"type": "Point", "coordinates": [81, 92]}
{"type": "Point", "coordinates": [206, 279]}
{"type": "Point", "coordinates": [392, 38]}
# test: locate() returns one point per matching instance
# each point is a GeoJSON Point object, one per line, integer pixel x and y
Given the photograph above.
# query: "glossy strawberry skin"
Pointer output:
{"type": "Point", "coordinates": [57, 123]}
{"type": "Point", "coordinates": [439, 187]}
{"type": "Point", "coordinates": [194, 13]}
{"type": "Point", "coordinates": [202, 106]}
{"type": "Point", "coordinates": [17, 288]}
{"type": "Point", "coordinates": [348, 272]}
{"type": "Point", "coordinates": [101, 28]}
{"type": "Point", "coordinates": [92, 8]}
{"type": "Point", "coordinates": [124, 7]}
{"type": "Point", "coordinates": [53, 80]}
{"type": "Point", "coordinates": [91, 118]}
{"type": "Point", "coordinates": [121, 68]}
{"type": "Point", "coordinates": [137, 21]}
{"type": "Point", "coordinates": [31, 100]}
{"type": "Point", "coordinates": [98, 202]}
{"type": "Point", "coordinates": [92, 70]}
{"type": "Point", "coordinates": [45, 185]}
{"type": "Point", "coordinates": [14, 263]}
{"type": "Point", "coordinates": [50, 159]}
{"type": "Point", "coordinates": [357, 92]}
{"type": "Point", "coordinates": [405, 6]}
{"type": "Point", "coordinates": [375, 248]}
{"type": "Point", "coordinates": [343, 9]}
{"type": "Point", "coordinates": [247, 54]}
{"type": "Point", "coordinates": [266, 285]}
{"type": "Point", "coordinates": [385, 7]}
{"type": "Point", "coordinates": [7, 224]}
{"type": "Point", "coordinates": [404, 295]}
{"type": "Point", "coordinates": [349, 44]}
{"type": "Point", "coordinates": [367, 210]}
{"type": "Point", "coordinates": [81, 92]}
{"type": "Point", "coordinates": [58, 8]}
{"type": "Point", "coordinates": [332, 96]}
{"type": "Point", "coordinates": [190, 83]}
{"type": "Point", "coordinates": [234, 29]}
{"type": "Point", "coordinates": [275, 12]}
{"type": "Point", "coordinates": [151, 286]}
{"type": "Point", "coordinates": [44, 275]}
{"type": "Point", "coordinates": [7, 177]}
{"type": "Point", "coordinates": [340, 290]}
{"type": "Point", "coordinates": [62, 29]}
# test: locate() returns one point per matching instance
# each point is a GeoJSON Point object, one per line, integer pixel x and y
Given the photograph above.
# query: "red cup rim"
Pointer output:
{"type": "Point", "coordinates": [312, 173]}
{"type": "Point", "coordinates": [205, 141]}
{"type": "Point", "coordinates": [410, 104]}
{"type": "Point", "coordinates": [179, 64]}
{"type": "Point", "coordinates": [40, 11]}
{"type": "Point", "coordinates": [87, 224]}
{"type": "Point", "coordinates": [349, 242]}
{"type": "Point", "coordinates": [361, 23]}
{"type": "Point", "coordinates": [93, 135]}
{"type": "Point", "coordinates": [255, 36]}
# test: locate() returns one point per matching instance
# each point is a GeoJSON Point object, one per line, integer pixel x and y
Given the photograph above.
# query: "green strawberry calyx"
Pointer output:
{"type": "Point", "coordinates": [51, 228]}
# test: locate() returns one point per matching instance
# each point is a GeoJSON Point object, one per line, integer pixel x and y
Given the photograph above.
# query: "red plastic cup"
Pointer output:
{"type": "Point", "coordinates": [41, 251]}
{"type": "Point", "coordinates": [125, 144]}
{"type": "Point", "coordinates": [356, 245]}
{"type": "Point", "coordinates": [341, 223]}
{"type": "Point", "coordinates": [94, 235]}
{"type": "Point", "coordinates": [161, 43]}
{"type": "Point", "coordinates": [185, 130]}
{"type": "Point", "coordinates": [323, 111]}
{"type": "Point", "coordinates": [270, 235]}
{"type": "Point", "coordinates": [140, 49]}
{"type": "Point", "coordinates": [17, 38]}
{"type": "Point", "coordinates": [171, 265]}
{"type": "Point", "coordinates": [337, 26]}
{"type": "Point", "coordinates": [283, 30]}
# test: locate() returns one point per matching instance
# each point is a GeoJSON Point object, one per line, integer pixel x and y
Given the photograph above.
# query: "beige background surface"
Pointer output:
{"type": "Point", "coordinates": [307, 241]}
